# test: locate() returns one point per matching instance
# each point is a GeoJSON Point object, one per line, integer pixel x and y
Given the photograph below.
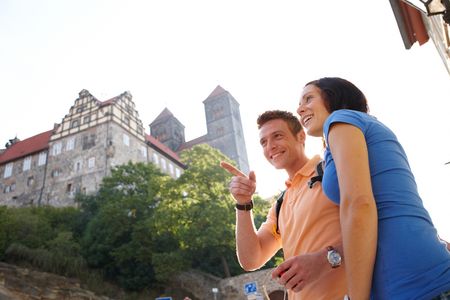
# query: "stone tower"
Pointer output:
{"type": "Point", "coordinates": [168, 130]}
{"type": "Point", "coordinates": [223, 122]}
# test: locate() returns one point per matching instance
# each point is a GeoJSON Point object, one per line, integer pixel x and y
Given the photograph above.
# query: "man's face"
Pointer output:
{"type": "Point", "coordinates": [281, 148]}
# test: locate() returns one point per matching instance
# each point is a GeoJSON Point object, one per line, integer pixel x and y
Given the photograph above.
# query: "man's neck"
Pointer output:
{"type": "Point", "coordinates": [299, 164]}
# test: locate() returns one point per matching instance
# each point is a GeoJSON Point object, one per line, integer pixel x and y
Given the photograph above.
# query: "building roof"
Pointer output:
{"type": "Point", "coordinates": [217, 91]}
{"type": "Point", "coordinates": [163, 148]}
{"type": "Point", "coordinates": [165, 114]}
{"type": "Point", "coordinates": [200, 140]}
{"type": "Point", "coordinates": [410, 23]}
{"type": "Point", "coordinates": [26, 147]}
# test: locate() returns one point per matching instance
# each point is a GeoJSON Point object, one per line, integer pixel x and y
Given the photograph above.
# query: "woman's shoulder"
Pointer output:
{"type": "Point", "coordinates": [349, 113]}
{"type": "Point", "coordinates": [348, 116]}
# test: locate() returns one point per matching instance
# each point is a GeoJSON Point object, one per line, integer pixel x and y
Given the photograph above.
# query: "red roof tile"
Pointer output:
{"type": "Point", "coordinates": [26, 147]}
{"type": "Point", "coordinates": [163, 147]}
{"type": "Point", "coordinates": [106, 102]}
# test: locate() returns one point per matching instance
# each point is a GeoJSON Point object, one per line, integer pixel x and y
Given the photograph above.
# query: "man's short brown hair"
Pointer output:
{"type": "Point", "coordinates": [291, 120]}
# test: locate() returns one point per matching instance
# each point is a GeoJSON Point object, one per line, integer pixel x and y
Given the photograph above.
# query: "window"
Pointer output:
{"type": "Point", "coordinates": [56, 149]}
{"type": "Point", "coordinates": [69, 188]}
{"type": "Point", "coordinates": [126, 120]}
{"type": "Point", "coordinates": [91, 162]}
{"type": "Point", "coordinates": [30, 181]}
{"type": "Point", "coordinates": [163, 164]}
{"type": "Point", "coordinates": [8, 170]}
{"type": "Point", "coordinates": [55, 173]}
{"type": "Point", "coordinates": [155, 159]}
{"type": "Point", "coordinates": [78, 166]}
{"type": "Point", "coordinates": [129, 109]}
{"type": "Point", "coordinates": [126, 140]}
{"type": "Point", "coordinates": [70, 144]}
{"type": "Point", "coordinates": [86, 119]}
{"type": "Point", "coordinates": [42, 158]}
{"type": "Point", "coordinates": [88, 141]}
{"type": "Point", "coordinates": [74, 124]}
{"type": "Point", "coordinates": [177, 172]}
{"type": "Point", "coordinates": [144, 151]}
{"type": "Point", "coordinates": [27, 163]}
{"type": "Point", "coordinates": [10, 188]}
{"type": "Point", "coordinates": [170, 168]}
{"type": "Point", "coordinates": [220, 130]}
{"type": "Point", "coordinates": [80, 109]}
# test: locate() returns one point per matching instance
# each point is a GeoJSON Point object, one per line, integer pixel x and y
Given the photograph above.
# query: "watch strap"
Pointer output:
{"type": "Point", "coordinates": [247, 206]}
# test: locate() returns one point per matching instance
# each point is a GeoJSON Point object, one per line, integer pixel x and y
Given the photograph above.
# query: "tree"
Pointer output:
{"type": "Point", "coordinates": [199, 211]}
{"type": "Point", "coordinates": [119, 238]}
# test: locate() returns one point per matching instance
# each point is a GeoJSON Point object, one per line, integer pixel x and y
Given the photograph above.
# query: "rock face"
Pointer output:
{"type": "Point", "coordinates": [22, 284]}
{"type": "Point", "coordinates": [18, 283]}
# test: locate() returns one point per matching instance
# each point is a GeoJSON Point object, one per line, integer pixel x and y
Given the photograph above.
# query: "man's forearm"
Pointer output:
{"type": "Point", "coordinates": [247, 243]}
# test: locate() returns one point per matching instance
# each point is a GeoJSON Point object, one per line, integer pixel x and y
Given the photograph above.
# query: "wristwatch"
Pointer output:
{"type": "Point", "coordinates": [246, 206]}
{"type": "Point", "coordinates": [334, 258]}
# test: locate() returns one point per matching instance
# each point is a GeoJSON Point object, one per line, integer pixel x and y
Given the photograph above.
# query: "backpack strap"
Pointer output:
{"type": "Point", "coordinates": [278, 207]}
{"type": "Point", "coordinates": [318, 177]}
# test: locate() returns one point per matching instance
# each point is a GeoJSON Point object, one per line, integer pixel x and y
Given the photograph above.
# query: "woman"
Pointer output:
{"type": "Point", "coordinates": [391, 247]}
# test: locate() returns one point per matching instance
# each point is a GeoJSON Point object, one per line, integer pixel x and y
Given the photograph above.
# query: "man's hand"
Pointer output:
{"type": "Point", "coordinates": [241, 187]}
{"type": "Point", "coordinates": [298, 271]}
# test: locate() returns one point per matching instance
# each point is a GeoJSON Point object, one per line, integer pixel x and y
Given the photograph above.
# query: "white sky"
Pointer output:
{"type": "Point", "coordinates": [173, 54]}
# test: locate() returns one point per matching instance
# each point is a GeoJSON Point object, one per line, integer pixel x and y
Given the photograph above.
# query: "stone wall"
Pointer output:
{"type": "Point", "coordinates": [201, 285]}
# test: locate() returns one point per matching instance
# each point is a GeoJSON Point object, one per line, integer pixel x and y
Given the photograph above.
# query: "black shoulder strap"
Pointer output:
{"type": "Point", "coordinates": [278, 207]}
{"type": "Point", "coordinates": [318, 177]}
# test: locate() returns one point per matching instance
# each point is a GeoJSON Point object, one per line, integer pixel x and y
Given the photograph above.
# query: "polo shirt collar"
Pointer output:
{"type": "Point", "coordinates": [306, 171]}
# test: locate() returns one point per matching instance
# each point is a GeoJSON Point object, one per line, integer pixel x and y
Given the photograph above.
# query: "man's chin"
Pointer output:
{"type": "Point", "coordinates": [277, 165]}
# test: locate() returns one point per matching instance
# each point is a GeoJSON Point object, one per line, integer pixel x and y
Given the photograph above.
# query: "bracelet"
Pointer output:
{"type": "Point", "coordinates": [247, 206]}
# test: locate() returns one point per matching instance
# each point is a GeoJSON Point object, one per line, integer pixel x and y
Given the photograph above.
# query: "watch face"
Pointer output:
{"type": "Point", "coordinates": [334, 258]}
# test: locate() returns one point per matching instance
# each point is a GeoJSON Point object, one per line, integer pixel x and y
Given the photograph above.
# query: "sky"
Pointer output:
{"type": "Point", "coordinates": [173, 53]}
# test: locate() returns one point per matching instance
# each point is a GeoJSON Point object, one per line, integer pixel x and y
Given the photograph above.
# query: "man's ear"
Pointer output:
{"type": "Point", "coordinates": [301, 136]}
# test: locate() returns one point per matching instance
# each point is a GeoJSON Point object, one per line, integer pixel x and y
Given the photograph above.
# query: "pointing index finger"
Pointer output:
{"type": "Point", "coordinates": [232, 169]}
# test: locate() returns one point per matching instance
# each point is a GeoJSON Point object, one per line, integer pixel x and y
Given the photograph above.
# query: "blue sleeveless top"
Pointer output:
{"type": "Point", "coordinates": [411, 261]}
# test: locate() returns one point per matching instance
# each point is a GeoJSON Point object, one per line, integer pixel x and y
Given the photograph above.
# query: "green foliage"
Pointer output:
{"type": "Point", "coordinates": [23, 226]}
{"type": "Point", "coordinates": [140, 229]}
{"type": "Point", "coordinates": [119, 238]}
{"type": "Point", "coordinates": [62, 257]}
{"type": "Point", "coordinates": [199, 211]}
{"type": "Point", "coordinates": [167, 264]}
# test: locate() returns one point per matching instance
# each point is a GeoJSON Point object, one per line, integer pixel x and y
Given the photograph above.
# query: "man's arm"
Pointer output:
{"type": "Point", "coordinates": [254, 248]}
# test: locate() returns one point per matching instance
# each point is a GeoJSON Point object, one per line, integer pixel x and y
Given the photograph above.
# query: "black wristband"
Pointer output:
{"type": "Point", "coordinates": [247, 206]}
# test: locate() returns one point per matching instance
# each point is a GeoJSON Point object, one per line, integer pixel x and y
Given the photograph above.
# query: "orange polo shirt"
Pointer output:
{"type": "Point", "coordinates": [309, 222]}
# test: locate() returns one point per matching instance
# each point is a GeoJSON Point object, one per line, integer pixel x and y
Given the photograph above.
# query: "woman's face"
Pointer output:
{"type": "Point", "coordinates": [312, 110]}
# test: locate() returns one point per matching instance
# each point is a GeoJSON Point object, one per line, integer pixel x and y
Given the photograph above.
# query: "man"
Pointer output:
{"type": "Point", "coordinates": [308, 222]}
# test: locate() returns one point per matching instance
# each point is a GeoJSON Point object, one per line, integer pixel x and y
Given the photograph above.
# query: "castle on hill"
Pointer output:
{"type": "Point", "coordinates": [95, 136]}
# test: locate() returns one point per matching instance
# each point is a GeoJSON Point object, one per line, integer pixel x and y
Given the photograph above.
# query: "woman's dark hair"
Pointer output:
{"type": "Point", "coordinates": [339, 93]}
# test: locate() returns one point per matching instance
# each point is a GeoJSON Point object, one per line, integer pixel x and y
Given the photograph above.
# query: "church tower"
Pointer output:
{"type": "Point", "coordinates": [168, 130]}
{"type": "Point", "coordinates": [223, 122]}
